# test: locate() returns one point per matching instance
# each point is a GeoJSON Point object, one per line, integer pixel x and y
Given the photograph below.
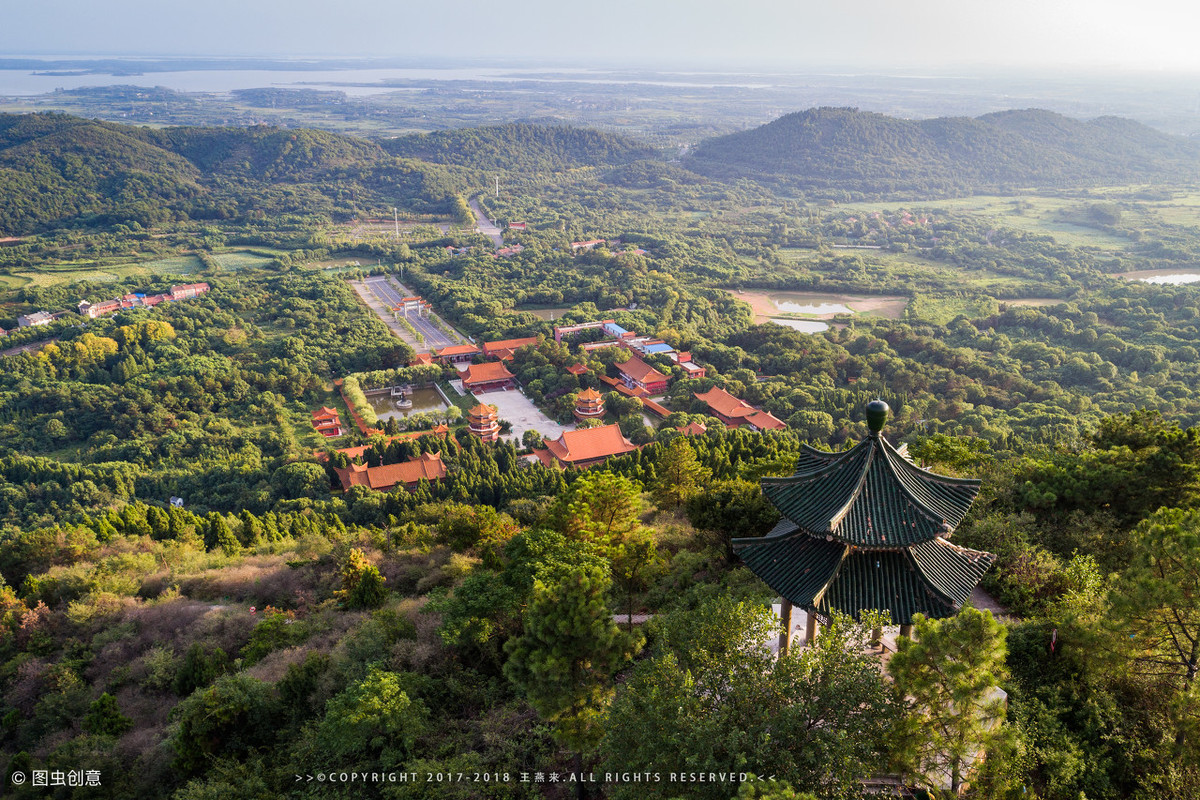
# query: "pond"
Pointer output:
{"type": "Point", "coordinates": [423, 400]}
{"type": "Point", "coordinates": [1177, 279]}
{"type": "Point", "coordinates": [769, 304]}
{"type": "Point", "coordinates": [789, 307]}
{"type": "Point", "coordinates": [802, 325]}
{"type": "Point", "coordinates": [1168, 276]}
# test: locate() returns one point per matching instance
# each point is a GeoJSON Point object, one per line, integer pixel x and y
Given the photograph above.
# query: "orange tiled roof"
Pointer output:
{"type": "Point", "coordinates": [693, 429]}
{"type": "Point", "coordinates": [507, 344]}
{"type": "Point", "coordinates": [481, 410]}
{"type": "Point", "coordinates": [458, 350]}
{"type": "Point", "coordinates": [640, 371]}
{"type": "Point", "coordinates": [486, 373]}
{"type": "Point", "coordinates": [325, 412]}
{"type": "Point", "coordinates": [589, 394]}
{"type": "Point", "coordinates": [421, 358]}
{"type": "Point", "coordinates": [590, 444]}
{"type": "Point", "coordinates": [428, 466]}
{"type": "Point", "coordinates": [727, 405]}
{"type": "Point", "coordinates": [577, 369]}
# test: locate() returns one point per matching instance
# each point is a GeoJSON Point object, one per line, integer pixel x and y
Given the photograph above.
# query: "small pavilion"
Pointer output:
{"type": "Point", "coordinates": [589, 404]}
{"type": "Point", "coordinates": [484, 422]}
{"type": "Point", "coordinates": [866, 529]}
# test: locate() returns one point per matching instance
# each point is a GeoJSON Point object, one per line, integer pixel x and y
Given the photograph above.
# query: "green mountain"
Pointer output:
{"type": "Point", "coordinates": [520, 147]}
{"type": "Point", "coordinates": [845, 149]}
{"type": "Point", "coordinates": [57, 170]}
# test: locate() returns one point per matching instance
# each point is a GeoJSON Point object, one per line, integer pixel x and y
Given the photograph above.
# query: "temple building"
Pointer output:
{"type": "Point", "coordinates": [589, 404]}
{"type": "Point", "coordinates": [736, 413]}
{"type": "Point", "coordinates": [484, 422]}
{"type": "Point", "coordinates": [490, 376]}
{"type": "Point", "coordinates": [327, 421]}
{"type": "Point", "coordinates": [866, 529]}
{"type": "Point", "coordinates": [427, 466]}
{"type": "Point", "coordinates": [637, 373]}
{"type": "Point", "coordinates": [585, 448]}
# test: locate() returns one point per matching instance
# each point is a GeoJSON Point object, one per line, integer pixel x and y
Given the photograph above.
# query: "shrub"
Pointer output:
{"type": "Point", "coordinates": [104, 718]}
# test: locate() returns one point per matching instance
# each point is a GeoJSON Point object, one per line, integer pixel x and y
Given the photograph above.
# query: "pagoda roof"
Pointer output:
{"type": "Point", "coordinates": [870, 496]}
{"type": "Point", "coordinates": [589, 394]}
{"type": "Point", "coordinates": [640, 371]}
{"type": "Point", "coordinates": [933, 578]}
{"type": "Point", "coordinates": [488, 372]}
{"type": "Point", "coordinates": [589, 444]}
{"type": "Point", "coordinates": [482, 410]}
{"type": "Point", "coordinates": [427, 466]}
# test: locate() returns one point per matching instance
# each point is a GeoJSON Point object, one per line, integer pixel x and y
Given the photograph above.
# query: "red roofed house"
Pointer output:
{"type": "Point", "coordinates": [188, 291]}
{"type": "Point", "coordinates": [589, 404]}
{"type": "Point", "coordinates": [693, 429]}
{"type": "Point", "coordinates": [636, 372]}
{"type": "Point", "coordinates": [327, 421]}
{"type": "Point", "coordinates": [94, 310]}
{"type": "Point", "coordinates": [427, 466]}
{"type": "Point", "coordinates": [516, 226]}
{"type": "Point", "coordinates": [588, 245]}
{"type": "Point", "coordinates": [421, 358]}
{"type": "Point", "coordinates": [488, 377]}
{"type": "Point", "coordinates": [585, 448]}
{"type": "Point", "coordinates": [504, 348]}
{"type": "Point", "coordinates": [735, 413]}
{"type": "Point", "coordinates": [456, 354]}
{"type": "Point", "coordinates": [484, 422]}
{"type": "Point", "coordinates": [578, 369]}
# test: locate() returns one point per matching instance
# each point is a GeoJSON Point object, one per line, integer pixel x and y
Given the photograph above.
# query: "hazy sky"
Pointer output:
{"type": "Point", "coordinates": [1149, 34]}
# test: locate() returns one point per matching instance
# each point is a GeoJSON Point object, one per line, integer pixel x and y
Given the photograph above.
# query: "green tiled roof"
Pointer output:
{"type": "Point", "coordinates": [791, 562]}
{"type": "Point", "coordinates": [870, 496]}
{"type": "Point", "coordinates": [884, 580]}
{"type": "Point", "coordinates": [863, 529]}
{"type": "Point", "coordinates": [954, 571]}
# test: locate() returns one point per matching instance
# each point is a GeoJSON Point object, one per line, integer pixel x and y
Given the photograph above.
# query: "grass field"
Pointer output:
{"type": "Point", "coordinates": [240, 259]}
{"type": "Point", "coordinates": [1032, 213]}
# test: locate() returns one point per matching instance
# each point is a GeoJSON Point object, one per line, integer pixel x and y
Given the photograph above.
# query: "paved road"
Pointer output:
{"type": "Point", "coordinates": [32, 347]}
{"type": "Point", "coordinates": [390, 292]}
{"type": "Point", "coordinates": [486, 226]}
{"type": "Point", "coordinates": [382, 310]}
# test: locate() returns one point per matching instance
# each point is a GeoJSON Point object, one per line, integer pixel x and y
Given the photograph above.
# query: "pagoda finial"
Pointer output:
{"type": "Point", "coordinates": [877, 414]}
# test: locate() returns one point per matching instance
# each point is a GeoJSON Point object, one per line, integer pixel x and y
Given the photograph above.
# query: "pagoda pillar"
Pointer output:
{"type": "Point", "coordinates": [785, 618]}
{"type": "Point", "coordinates": [906, 631]}
{"type": "Point", "coordinates": [810, 630]}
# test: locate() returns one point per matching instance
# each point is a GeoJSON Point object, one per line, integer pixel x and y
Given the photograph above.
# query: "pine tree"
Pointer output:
{"type": "Point", "coordinates": [565, 659]}
{"type": "Point", "coordinates": [947, 678]}
{"type": "Point", "coordinates": [680, 475]}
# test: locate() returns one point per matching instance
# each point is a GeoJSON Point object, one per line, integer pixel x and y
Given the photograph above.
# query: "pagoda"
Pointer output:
{"type": "Point", "coordinates": [866, 529]}
{"type": "Point", "coordinates": [483, 421]}
{"type": "Point", "coordinates": [589, 404]}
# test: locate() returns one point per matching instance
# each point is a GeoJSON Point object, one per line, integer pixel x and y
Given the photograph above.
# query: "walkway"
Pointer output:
{"type": "Point", "coordinates": [523, 414]}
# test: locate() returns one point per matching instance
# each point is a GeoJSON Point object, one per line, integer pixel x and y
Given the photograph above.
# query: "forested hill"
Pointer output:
{"type": "Point", "coordinates": [57, 170]}
{"type": "Point", "coordinates": [840, 148]}
{"type": "Point", "coordinates": [520, 147]}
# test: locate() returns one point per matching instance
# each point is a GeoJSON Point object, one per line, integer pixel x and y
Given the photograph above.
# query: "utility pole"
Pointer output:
{"type": "Point", "coordinates": [497, 187]}
{"type": "Point", "coordinates": [396, 219]}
